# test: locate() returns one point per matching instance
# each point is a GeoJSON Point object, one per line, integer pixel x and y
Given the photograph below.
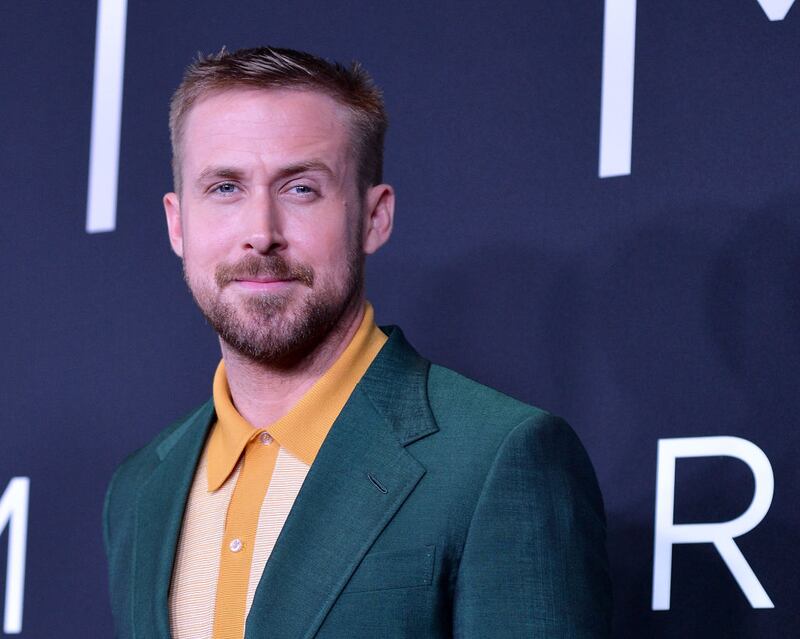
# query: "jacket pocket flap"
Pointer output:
{"type": "Point", "coordinates": [388, 569]}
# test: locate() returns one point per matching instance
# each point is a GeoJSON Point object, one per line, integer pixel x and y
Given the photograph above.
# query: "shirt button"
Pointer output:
{"type": "Point", "coordinates": [235, 545]}
{"type": "Point", "coordinates": [265, 438]}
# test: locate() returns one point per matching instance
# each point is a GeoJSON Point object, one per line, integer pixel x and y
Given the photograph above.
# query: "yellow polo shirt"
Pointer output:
{"type": "Point", "coordinates": [245, 484]}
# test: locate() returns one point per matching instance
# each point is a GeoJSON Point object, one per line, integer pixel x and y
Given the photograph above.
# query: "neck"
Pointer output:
{"type": "Point", "coordinates": [263, 393]}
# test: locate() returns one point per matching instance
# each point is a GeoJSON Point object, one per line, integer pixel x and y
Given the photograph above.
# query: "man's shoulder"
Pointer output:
{"type": "Point", "coordinates": [453, 395]}
{"type": "Point", "coordinates": [156, 449]}
{"type": "Point", "coordinates": [472, 409]}
{"type": "Point", "coordinates": [137, 467]}
{"type": "Point", "coordinates": [462, 409]}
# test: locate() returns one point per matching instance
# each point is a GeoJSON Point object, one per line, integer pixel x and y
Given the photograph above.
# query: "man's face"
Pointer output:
{"type": "Point", "coordinates": [270, 223]}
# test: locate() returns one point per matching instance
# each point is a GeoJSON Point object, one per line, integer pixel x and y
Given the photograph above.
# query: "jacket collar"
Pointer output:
{"type": "Point", "coordinates": [336, 517]}
{"type": "Point", "coordinates": [397, 384]}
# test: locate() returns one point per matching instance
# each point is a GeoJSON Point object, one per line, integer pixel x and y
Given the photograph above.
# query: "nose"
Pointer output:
{"type": "Point", "coordinates": [263, 230]}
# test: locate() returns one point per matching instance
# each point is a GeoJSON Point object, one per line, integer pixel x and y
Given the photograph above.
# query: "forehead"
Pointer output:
{"type": "Point", "coordinates": [271, 123]}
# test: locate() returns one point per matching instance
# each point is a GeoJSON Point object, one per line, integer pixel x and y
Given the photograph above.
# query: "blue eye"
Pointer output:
{"type": "Point", "coordinates": [226, 188]}
{"type": "Point", "coordinates": [302, 189]}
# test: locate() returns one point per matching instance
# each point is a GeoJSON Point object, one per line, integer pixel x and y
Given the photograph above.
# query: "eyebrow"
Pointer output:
{"type": "Point", "coordinates": [317, 166]}
{"type": "Point", "coordinates": [219, 172]}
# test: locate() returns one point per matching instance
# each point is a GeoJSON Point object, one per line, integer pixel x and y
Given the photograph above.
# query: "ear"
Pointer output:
{"type": "Point", "coordinates": [379, 217]}
{"type": "Point", "coordinates": [172, 207]}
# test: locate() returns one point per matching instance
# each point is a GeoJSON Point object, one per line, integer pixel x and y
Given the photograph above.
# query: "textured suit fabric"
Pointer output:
{"type": "Point", "coordinates": [436, 507]}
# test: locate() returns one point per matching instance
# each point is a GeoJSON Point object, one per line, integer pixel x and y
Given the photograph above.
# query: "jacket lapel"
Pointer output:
{"type": "Point", "coordinates": [360, 478]}
{"type": "Point", "coordinates": [159, 515]}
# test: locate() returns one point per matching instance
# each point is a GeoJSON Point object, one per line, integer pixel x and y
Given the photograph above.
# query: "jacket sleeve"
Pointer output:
{"type": "Point", "coordinates": [534, 562]}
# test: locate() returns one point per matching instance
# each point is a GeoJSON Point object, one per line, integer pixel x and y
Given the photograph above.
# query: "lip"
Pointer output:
{"type": "Point", "coordinates": [262, 284]}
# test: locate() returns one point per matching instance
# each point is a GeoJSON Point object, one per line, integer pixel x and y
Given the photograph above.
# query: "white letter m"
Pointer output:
{"type": "Point", "coordinates": [14, 514]}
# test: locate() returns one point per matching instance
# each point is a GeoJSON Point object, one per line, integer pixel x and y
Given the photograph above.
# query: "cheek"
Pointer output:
{"type": "Point", "coordinates": [323, 245]}
{"type": "Point", "coordinates": [199, 271]}
{"type": "Point", "coordinates": [196, 276]}
{"type": "Point", "coordinates": [204, 248]}
{"type": "Point", "coordinates": [334, 260]}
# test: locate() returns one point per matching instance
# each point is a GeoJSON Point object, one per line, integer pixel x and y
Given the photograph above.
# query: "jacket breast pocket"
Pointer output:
{"type": "Point", "coordinates": [390, 569]}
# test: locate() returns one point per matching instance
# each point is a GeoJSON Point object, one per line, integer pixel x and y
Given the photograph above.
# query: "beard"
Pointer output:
{"type": "Point", "coordinates": [278, 328]}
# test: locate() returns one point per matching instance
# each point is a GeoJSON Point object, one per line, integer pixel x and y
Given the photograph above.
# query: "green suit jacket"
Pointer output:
{"type": "Point", "coordinates": [436, 507]}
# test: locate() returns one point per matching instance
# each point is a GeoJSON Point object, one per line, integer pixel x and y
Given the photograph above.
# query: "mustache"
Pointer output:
{"type": "Point", "coordinates": [266, 266]}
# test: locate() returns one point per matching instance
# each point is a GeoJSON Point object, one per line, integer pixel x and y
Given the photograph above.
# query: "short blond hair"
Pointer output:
{"type": "Point", "coordinates": [273, 68]}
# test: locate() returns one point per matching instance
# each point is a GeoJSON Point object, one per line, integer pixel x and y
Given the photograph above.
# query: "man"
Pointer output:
{"type": "Point", "coordinates": [337, 484]}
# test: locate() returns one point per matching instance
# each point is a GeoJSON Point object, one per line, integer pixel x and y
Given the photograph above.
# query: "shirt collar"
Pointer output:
{"type": "Point", "coordinates": [303, 429]}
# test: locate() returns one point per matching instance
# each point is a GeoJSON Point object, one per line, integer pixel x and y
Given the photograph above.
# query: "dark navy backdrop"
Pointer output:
{"type": "Point", "coordinates": [661, 304]}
